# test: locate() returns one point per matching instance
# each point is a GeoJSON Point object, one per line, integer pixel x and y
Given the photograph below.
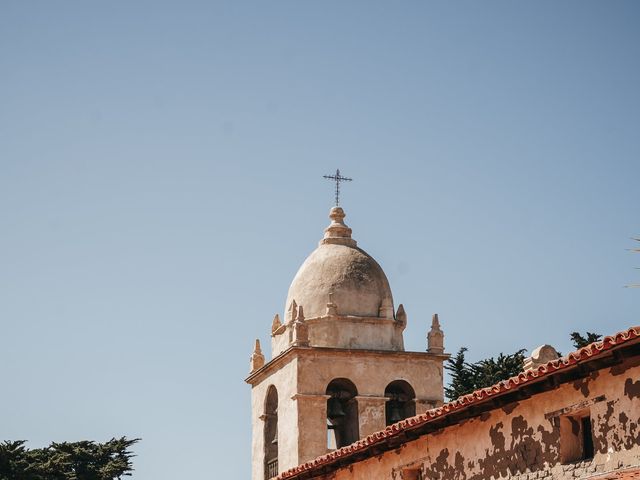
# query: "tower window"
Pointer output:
{"type": "Point", "coordinates": [401, 402]}
{"type": "Point", "coordinates": [271, 434]}
{"type": "Point", "coordinates": [576, 437]}
{"type": "Point", "coordinates": [342, 413]}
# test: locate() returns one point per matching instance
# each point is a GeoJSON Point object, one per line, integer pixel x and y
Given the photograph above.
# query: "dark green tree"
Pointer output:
{"type": "Point", "coordinates": [460, 375]}
{"type": "Point", "coordinates": [466, 377]}
{"type": "Point", "coordinates": [580, 340]}
{"type": "Point", "coordinates": [492, 370]}
{"type": "Point", "coordinates": [83, 460]}
{"type": "Point", "coordinates": [15, 462]}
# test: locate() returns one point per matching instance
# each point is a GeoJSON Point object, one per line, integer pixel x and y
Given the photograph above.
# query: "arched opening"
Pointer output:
{"type": "Point", "coordinates": [401, 403]}
{"type": "Point", "coordinates": [271, 434]}
{"type": "Point", "coordinates": [342, 413]}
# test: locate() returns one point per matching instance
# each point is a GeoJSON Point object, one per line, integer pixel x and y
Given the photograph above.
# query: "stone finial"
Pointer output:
{"type": "Point", "coordinates": [401, 316]}
{"type": "Point", "coordinates": [292, 312]}
{"type": "Point", "coordinates": [276, 324]}
{"type": "Point", "coordinates": [386, 308]}
{"type": "Point", "coordinates": [337, 232]}
{"type": "Point", "coordinates": [435, 337]}
{"type": "Point", "coordinates": [332, 308]}
{"type": "Point", "coordinates": [300, 330]}
{"type": "Point", "coordinates": [541, 355]}
{"type": "Point", "coordinates": [257, 358]}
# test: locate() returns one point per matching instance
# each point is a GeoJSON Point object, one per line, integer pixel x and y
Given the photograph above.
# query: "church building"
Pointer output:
{"type": "Point", "coordinates": [339, 371]}
{"type": "Point", "coordinates": [341, 399]}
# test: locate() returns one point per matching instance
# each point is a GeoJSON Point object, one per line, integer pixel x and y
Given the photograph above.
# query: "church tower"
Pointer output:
{"type": "Point", "coordinates": [338, 371]}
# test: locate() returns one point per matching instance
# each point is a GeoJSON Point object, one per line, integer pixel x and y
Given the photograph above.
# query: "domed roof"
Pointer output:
{"type": "Point", "coordinates": [340, 274]}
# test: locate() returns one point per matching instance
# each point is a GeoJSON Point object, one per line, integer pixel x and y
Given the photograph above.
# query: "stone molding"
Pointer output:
{"type": "Point", "coordinates": [310, 396]}
{"type": "Point", "coordinates": [349, 318]}
{"type": "Point", "coordinates": [293, 352]}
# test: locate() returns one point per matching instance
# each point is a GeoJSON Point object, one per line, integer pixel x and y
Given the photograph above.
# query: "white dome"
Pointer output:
{"type": "Point", "coordinates": [357, 284]}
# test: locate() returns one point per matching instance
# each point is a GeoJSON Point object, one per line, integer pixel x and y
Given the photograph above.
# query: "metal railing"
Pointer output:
{"type": "Point", "coordinates": [272, 469]}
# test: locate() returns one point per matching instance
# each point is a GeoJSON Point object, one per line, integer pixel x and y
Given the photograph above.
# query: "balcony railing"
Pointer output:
{"type": "Point", "coordinates": [272, 469]}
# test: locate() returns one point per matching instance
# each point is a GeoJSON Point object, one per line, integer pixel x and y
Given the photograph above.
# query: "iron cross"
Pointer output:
{"type": "Point", "coordinates": [337, 178]}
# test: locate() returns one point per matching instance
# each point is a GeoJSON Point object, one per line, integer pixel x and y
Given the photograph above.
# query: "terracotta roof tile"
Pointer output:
{"type": "Point", "coordinates": [585, 353]}
{"type": "Point", "coordinates": [632, 474]}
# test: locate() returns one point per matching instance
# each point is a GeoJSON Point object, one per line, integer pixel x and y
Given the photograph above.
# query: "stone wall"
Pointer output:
{"type": "Point", "coordinates": [284, 379]}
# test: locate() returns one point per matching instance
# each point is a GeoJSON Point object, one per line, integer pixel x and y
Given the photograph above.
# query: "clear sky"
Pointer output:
{"type": "Point", "coordinates": [161, 181]}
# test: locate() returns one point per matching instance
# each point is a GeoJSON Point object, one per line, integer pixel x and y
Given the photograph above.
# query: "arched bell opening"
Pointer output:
{"type": "Point", "coordinates": [401, 401]}
{"type": "Point", "coordinates": [271, 434]}
{"type": "Point", "coordinates": [342, 413]}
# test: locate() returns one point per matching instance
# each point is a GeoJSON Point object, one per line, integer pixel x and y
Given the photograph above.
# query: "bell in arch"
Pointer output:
{"type": "Point", "coordinates": [334, 409]}
{"type": "Point", "coordinates": [395, 412]}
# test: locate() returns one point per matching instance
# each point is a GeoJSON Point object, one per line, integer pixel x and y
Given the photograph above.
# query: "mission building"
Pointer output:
{"type": "Point", "coordinates": [342, 399]}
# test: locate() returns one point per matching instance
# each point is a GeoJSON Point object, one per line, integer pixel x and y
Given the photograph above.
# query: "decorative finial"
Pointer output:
{"type": "Point", "coordinates": [332, 308]}
{"type": "Point", "coordinates": [291, 313]}
{"type": "Point", "coordinates": [337, 232]}
{"type": "Point", "coordinates": [276, 324]}
{"type": "Point", "coordinates": [257, 358]}
{"type": "Point", "coordinates": [337, 178]}
{"type": "Point", "coordinates": [435, 337]}
{"type": "Point", "coordinates": [401, 316]}
{"type": "Point", "coordinates": [386, 308]}
{"type": "Point", "coordinates": [300, 330]}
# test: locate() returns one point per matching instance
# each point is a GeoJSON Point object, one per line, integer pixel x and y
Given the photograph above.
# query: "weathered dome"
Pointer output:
{"type": "Point", "coordinates": [340, 273]}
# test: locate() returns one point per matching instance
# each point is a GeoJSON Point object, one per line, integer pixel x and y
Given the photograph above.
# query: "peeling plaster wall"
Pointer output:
{"type": "Point", "coordinates": [284, 379]}
{"type": "Point", "coordinates": [522, 440]}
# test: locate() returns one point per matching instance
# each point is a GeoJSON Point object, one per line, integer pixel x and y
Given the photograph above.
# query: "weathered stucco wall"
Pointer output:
{"type": "Point", "coordinates": [301, 378]}
{"type": "Point", "coordinates": [523, 440]}
{"type": "Point", "coordinates": [284, 379]}
{"type": "Point", "coordinates": [371, 373]}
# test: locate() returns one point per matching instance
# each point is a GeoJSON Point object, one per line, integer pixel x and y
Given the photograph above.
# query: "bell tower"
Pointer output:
{"type": "Point", "coordinates": [338, 370]}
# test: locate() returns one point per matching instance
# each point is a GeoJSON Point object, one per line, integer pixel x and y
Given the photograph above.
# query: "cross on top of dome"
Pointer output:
{"type": "Point", "coordinates": [337, 178]}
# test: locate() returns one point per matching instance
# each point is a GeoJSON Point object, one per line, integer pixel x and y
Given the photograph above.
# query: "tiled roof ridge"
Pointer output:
{"type": "Point", "coordinates": [589, 351]}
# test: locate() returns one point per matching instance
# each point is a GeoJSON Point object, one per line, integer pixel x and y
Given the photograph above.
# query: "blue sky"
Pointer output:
{"type": "Point", "coordinates": [161, 181]}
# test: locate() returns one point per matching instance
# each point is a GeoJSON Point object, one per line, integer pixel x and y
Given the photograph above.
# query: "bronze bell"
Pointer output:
{"type": "Point", "coordinates": [334, 409]}
{"type": "Point", "coordinates": [395, 413]}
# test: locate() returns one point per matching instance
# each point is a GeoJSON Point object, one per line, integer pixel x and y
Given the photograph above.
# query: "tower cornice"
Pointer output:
{"type": "Point", "coordinates": [294, 352]}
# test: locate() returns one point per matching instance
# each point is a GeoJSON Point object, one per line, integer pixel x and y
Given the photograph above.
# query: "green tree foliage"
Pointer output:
{"type": "Point", "coordinates": [67, 461]}
{"type": "Point", "coordinates": [580, 340]}
{"type": "Point", "coordinates": [467, 377]}
{"type": "Point", "coordinates": [492, 370]}
{"type": "Point", "coordinates": [460, 376]}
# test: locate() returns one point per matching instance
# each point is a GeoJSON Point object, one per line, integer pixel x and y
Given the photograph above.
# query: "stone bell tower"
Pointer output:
{"type": "Point", "coordinates": [338, 371]}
